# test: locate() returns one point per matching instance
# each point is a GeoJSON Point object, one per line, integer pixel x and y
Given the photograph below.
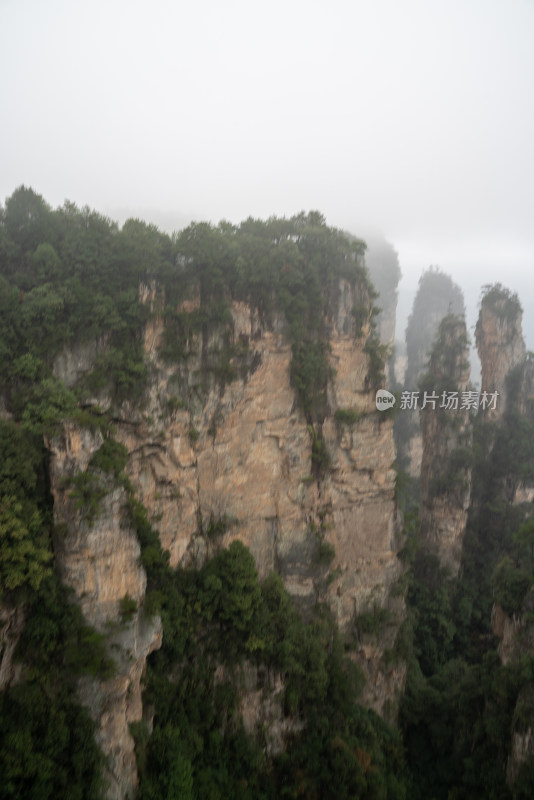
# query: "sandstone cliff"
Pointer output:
{"type": "Point", "coordinates": [500, 344]}
{"type": "Point", "coordinates": [99, 558]}
{"type": "Point", "coordinates": [507, 371]}
{"type": "Point", "coordinates": [436, 297]}
{"type": "Point", "coordinates": [447, 441]}
{"type": "Point", "coordinates": [216, 460]}
{"type": "Point", "coordinates": [251, 465]}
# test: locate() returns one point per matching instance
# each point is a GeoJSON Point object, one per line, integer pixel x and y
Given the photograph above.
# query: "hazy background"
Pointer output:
{"type": "Point", "coordinates": [416, 117]}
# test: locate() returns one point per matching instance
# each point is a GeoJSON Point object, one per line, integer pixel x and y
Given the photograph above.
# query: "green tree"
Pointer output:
{"type": "Point", "coordinates": [24, 554]}
{"type": "Point", "coordinates": [47, 263]}
{"type": "Point", "coordinates": [28, 222]}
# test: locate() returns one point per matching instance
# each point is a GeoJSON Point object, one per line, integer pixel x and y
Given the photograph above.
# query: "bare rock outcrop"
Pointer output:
{"type": "Point", "coordinates": [217, 456]}
{"type": "Point", "coordinates": [98, 555]}
{"type": "Point", "coordinates": [243, 455]}
{"type": "Point", "coordinates": [260, 694]}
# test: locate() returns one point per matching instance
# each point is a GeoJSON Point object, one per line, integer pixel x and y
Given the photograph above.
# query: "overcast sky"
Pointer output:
{"type": "Point", "coordinates": [414, 116]}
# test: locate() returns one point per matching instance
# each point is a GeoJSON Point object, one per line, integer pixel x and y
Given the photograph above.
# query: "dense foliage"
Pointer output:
{"type": "Point", "coordinates": [75, 277]}
{"type": "Point", "coordinates": [47, 745]}
{"type": "Point", "coordinates": [221, 624]}
{"type": "Point", "coordinates": [462, 705]}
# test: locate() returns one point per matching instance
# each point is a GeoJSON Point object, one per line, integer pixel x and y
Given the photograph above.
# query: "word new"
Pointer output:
{"type": "Point", "coordinates": [450, 401]}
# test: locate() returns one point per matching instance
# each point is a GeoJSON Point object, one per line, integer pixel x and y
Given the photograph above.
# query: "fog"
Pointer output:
{"type": "Point", "coordinates": [416, 118]}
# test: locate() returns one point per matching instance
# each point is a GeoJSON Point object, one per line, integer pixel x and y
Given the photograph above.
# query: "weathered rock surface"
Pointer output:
{"type": "Point", "coordinates": [522, 748]}
{"type": "Point", "coordinates": [436, 297]}
{"type": "Point", "coordinates": [11, 627]}
{"type": "Point", "coordinates": [261, 706]}
{"type": "Point", "coordinates": [74, 361]}
{"type": "Point", "coordinates": [447, 442]}
{"type": "Point", "coordinates": [509, 630]}
{"type": "Point", "coordinates": [117, 702]}
{"type": "Point", "coordinates": [99, 559]}
{"type": "Point", "coordinates": [234, 457]}
{"type": "Point", "coordinates": [250, 459]}
{"type": "Point", "coordinates": [500, 345]}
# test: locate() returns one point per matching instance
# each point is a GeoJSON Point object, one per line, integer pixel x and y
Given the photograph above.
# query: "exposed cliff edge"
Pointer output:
{"type": "Point", "coordinates": [213, 461]}
{"type": "Point", "coordinates": [251, 464]}
{"type": "Point", "coordinates": [98, 556]}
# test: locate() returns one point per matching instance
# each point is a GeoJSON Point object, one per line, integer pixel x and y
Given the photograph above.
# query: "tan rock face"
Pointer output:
{"type": "Point", "coordinates": [116, 703]}
{"type": "Point", "coordinates": [254, 466]}
{"type": "Point", "coordinates": [251, 463]}
{"type": "Point", "coordinates": [234, 458]}
{"type": "Point", "coordinates": [99, 559]}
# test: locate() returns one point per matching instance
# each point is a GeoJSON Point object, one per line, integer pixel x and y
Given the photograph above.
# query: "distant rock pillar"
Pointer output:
{"type": "Point", "coordinates": [447, 444]}
{"type": "Point", "coordinates": [500, 345]}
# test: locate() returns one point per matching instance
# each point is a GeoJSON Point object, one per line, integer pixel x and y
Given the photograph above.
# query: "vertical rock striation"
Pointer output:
{"type": "Point", "coordinates": [447, 444]}
{"type": "Point", "coordinates": [500, 343]}
{"type": "Point", "coordinates": [98, 556]}
{"type": "Point", "coordinates": [236, 461]}
{"type": "Point", "coordinates": [248, 464]}
{"type": "Point", "coordinates": [436, 297]}
{"type": "Point", "coordinates": [215, 458]}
